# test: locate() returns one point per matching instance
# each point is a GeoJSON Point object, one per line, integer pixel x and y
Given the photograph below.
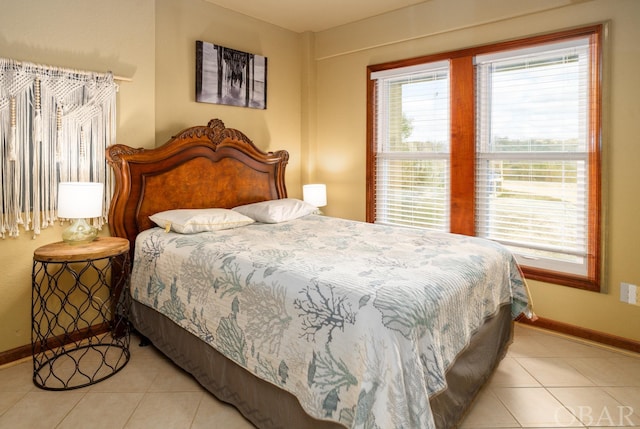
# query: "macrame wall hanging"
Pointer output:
{"type": "Point", "coordinates": [55, 125]}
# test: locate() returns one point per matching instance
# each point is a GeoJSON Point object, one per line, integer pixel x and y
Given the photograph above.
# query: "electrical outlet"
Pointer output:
{"type": "Point", "coordinates": [633, 294]}
{"type": "Point", "coordinates": [624, 292]}
{"type": "Point", "coordinates": [628, 293]}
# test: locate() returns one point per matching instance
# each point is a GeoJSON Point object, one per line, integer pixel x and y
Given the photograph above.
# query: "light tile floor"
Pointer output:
{"type": "Point", "coordinates": [550, 381]}
{"type": "Point", "coordinates": [545, 381]}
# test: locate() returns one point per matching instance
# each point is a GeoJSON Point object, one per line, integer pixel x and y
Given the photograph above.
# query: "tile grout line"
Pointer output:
{"type": "Point", "coordinates": [144, 394]}
{"type": "Point", "coordinates": [193, 419]}
{"type": "Point", "coordinates": [507, 408]}
{"type": "Point", "coordinates": [57, 425]}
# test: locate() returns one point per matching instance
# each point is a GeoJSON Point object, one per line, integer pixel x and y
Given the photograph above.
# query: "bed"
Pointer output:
{"type": "Point", "coordinates": [303, 320]}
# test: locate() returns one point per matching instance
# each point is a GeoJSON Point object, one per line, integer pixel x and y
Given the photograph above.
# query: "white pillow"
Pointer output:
{"type": "Point", "coordinates": [190, 221]}
{"type": "Point", "coordinates": [275, 211]}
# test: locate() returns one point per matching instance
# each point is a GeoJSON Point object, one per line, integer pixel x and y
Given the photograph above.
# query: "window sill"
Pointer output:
{"type": "Point", "coordinates": [570, 280]}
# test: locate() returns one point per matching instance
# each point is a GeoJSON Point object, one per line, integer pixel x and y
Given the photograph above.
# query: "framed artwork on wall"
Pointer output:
{"type": "Point", "coordinates": [231, 77]}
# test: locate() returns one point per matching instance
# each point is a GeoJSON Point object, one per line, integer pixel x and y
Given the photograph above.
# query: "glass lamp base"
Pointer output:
{"type": "Point", "coordinates": [80, 232]}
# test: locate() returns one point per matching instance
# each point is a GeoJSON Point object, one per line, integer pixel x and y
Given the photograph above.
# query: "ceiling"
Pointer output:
{"type": "Point", "coordinates": [312, 15]}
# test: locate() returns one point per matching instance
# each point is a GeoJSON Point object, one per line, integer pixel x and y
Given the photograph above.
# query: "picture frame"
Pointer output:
{"type": "Point", "coordinates": [231, 77]}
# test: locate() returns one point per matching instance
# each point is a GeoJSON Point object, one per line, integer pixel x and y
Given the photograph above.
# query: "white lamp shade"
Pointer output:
{"type": "Point", "coordinates": [315, 194]}
{"type": "Point", "coordinates": [80, 199]}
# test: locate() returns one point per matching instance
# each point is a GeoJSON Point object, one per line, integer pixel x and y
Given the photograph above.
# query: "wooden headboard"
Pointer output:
{"type": "Point", "coordinates": [200, 167]}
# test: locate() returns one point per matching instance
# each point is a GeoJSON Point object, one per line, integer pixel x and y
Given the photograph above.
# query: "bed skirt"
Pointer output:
{"type": "Point", "coordinates": [269, 407]}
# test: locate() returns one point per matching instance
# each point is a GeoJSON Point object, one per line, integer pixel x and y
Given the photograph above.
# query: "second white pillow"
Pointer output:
{"type": "Point", "coordinates": [276, 211]}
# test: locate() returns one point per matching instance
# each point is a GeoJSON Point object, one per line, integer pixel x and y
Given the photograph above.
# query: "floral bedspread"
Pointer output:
{"type": "Point", "coordinates": [358, 321]}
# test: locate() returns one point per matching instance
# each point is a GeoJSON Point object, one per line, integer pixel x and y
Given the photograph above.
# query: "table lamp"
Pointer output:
{"type": "Point", "coordinates": [315, 194]}
{"type": "Point", "coordinates": [78, 201]}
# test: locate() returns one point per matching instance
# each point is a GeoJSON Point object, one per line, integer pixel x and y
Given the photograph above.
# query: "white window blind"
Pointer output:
{"type": "Point", "coordinates": [532, 131]}
{"type": "Point", "coordinates": [412, 146]}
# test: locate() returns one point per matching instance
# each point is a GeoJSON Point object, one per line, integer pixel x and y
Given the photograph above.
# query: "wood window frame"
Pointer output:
{"type": "Point", "coordinates": [462, 199]}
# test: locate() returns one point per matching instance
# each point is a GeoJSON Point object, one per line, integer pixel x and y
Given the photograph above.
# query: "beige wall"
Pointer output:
{"type": "Point", "coordinates": [152, 42]}
{"type": "Point", "coordinates": [115, 35]}
{"type": "Point", "coordinates": [343, 53]}
{"type": "Point", "coordinates": [316, 105]}
{"type": "Point", "coordinates": [178, 25]}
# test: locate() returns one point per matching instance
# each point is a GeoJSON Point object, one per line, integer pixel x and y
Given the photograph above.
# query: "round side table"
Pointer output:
{"type": "Point", "coordinates": [80, 332]}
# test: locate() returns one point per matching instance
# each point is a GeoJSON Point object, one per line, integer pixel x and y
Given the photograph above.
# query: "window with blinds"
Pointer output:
{"type": "Point", "coordinates": [500, 141]}
{"type": "Point", "coordinates": [532, 180]}
{"type": "Point", "coordinates": [412, 151]}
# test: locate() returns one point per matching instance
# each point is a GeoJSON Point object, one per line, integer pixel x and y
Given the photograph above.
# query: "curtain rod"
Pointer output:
{"type": "Point", "coordinates": [66, 70]}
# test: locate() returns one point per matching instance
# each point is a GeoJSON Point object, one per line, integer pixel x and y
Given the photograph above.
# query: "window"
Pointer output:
{"type": "Point", "coordinates": [501, 142]}
{"type": "Point", "coordinates": [413, 149]}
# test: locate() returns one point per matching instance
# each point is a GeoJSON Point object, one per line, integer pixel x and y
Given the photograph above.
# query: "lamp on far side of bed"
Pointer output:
{"type": "Point", "coordinates": [315, 194]}
{"type": "Point", "coordinates": [79, 201]}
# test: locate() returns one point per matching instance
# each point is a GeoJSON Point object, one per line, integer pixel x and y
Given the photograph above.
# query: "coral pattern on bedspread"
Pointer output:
{"type": "Point", "coordinates": [358, 321]}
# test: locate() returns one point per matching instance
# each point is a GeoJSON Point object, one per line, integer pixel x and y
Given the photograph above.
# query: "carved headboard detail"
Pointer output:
{"type": "Point", "coordinates": [200, 167]}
